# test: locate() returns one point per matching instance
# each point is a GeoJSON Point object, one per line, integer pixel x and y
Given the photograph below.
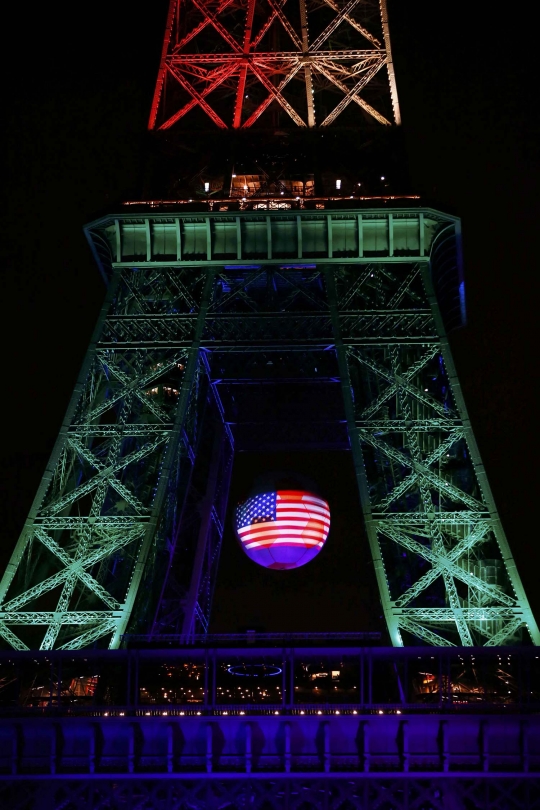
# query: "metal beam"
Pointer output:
{"type": "Point", "coordinates": [203, 63]}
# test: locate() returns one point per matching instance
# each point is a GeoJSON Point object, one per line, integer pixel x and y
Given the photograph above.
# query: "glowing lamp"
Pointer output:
{"type": "Point", "coordinates": [283, 529]}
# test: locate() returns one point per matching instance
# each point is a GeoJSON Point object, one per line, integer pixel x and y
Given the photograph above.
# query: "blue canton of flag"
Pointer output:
{"type": "Point", "coordinates": [260, 509]}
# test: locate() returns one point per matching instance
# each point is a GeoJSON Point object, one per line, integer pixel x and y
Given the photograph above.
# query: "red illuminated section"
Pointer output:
{"type": "Point", "coordinates": [240, 63]}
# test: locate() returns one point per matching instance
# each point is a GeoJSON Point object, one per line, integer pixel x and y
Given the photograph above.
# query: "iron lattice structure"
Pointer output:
{"type": "Point", "coordinates": [214, 322]}
{"type": "Point", "coordinates": [240, 63]}
{"type": "Point", "coordinates": [295, 793]}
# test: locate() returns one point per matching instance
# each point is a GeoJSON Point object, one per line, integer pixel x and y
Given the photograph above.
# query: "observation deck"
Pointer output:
{"type": "Point", "coordinates": [282, 710]}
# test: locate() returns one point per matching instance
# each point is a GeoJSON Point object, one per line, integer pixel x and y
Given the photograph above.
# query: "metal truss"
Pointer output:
{"type": "Point", "coordinates": [443, 564]}
{"type": "Point", "coordinates": [125, 532]}
{"type": "Point", "coordinates": [294, 793]}
{"type": "Point", "coordinates": [238, 61]}
{"type": "Point", "coordinates": [109, 507]}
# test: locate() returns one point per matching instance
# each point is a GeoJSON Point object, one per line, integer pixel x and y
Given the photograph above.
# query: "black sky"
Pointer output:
{"type": "Point", "coordinates": [76, 102]}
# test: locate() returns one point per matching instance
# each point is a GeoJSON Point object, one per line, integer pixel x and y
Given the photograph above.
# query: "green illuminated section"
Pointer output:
{"type": "Point", "coordinates": [186, 288]}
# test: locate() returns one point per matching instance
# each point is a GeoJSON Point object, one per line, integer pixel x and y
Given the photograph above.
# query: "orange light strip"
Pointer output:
{"type": "Point", "coordinates": [232, 200]}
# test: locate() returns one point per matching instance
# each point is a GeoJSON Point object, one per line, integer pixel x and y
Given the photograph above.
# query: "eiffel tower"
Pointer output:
{"type": "Point", "coordinates": [273, 290]}
{"type": "Point", "coordinates": [251, 257]}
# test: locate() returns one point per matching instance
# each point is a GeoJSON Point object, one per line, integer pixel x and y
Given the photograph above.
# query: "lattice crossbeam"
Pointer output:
{"type": "Point", "coordinates": [435, 537]}
{"type": "Point", "coordinates": [272, 54]}
{"type": "Point", "coordinates": [95, 518]}
{"type": "Point", "coordinates": [123, 531]}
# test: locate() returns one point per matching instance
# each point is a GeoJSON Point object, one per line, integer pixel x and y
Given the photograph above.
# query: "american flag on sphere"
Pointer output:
{"type": "Point", "coordinates": [283, 529]}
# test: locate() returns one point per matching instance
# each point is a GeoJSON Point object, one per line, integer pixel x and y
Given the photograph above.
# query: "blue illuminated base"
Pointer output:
{"type": "Point", "coordinates": [270, 728]}
{"type": "Point", "coordinates": [297, 792]}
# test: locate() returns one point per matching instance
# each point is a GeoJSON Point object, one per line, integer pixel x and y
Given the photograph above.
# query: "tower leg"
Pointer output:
{"type": "Point", "coordinates": [358, 461]}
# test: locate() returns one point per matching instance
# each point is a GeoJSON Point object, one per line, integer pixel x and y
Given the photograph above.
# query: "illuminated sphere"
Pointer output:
{"type": "Point", "coordinates": [282, 529]}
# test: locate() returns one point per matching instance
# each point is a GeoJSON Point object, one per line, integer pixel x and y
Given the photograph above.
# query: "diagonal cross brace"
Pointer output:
{"type": "Point", "coordinates": [200, 26]}
{"type": "Point", "coordinates": [353, 92]}
{"type": "Point", "coordinates": [77, 569]}
{"type": "Point", "coordinates": [350, 293]}
{"type": "Point", "coordinates": [445, 487]}
{"type": "Point", "coordinates": [268, 100]}
{"type": "Point", "coordinates": [91, 635]}
{"type": "Point", "coordinates": [505, 631]}
{"type": "Point", "coordinates": [74, 567]}
{"type": "Point", "coordinates": [278, 9]}
{"type": "Point", "coordinates": [320, 304]}
{"type": "Point", "coordinates": [137, 389]}
{"type": "Point", "coordinates": [422, 632]}
{"type": "Point", "coordinates": [212, 19]}
{"type": "Point", "coordinates": [404, 287]}
{"type": "Point", "coordinates": [331, 27]}
{"type": "Point", "coordinates": [122, 490]}
{"type": "Point", "coordinates": [219, 78]}
{"type": "Point", "coordinates": [107, 473]}
{"type": "Point", "coordinates": [198, 97]}
{"type": "Point", "coordinates": [276, 94]}
{"type": "Point", "coordinates": [218, 305]}
{"type": "Point", "coordinates": [131, 385]}
{"type": "Point", "coordinates": [70, 584]}
{"type": "Point", "coordinates": [243, 67]}
{"type": "Point", "coordinates": [454, 554]}
{"type": "Point", "coordinates": [360, 28]}
{"type": "Point", "coordinates": [13, 640]}
{"type": "Point", "coordinates": [435, 533]}
{"type": "Point", "coordinates": [324, 69]}
{"type": "Point", "coordinates": [442, 561]}
{"type": "Point", "coordinates": [400, 381]}
{"type": "Point", "coordinates": [412, 478]}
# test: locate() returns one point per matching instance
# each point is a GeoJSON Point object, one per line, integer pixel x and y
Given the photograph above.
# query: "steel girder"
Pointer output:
{"type": "Point", "coordinates": [443, 564]}
{"type": "Point", "coordinates": [488, 791]}
{"type": "Point", "coordinates": [237, 60]}
{"type": "Point", "coordinates": [126, 528]}
{"type": "Point", "coordinates": [108, 509]}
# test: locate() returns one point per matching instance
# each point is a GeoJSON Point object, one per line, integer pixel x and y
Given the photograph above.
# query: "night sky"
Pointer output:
{"type": "Point", "coordinates": [76, 104]}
